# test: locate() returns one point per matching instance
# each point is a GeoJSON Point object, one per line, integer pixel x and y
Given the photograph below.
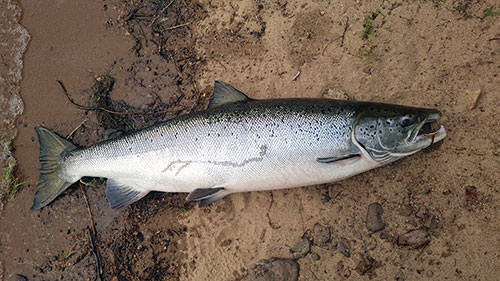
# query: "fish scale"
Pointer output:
{"type": "Point", "coordinates": [237, 145]}
{"type": "Point", "coordinates": [223, 147]}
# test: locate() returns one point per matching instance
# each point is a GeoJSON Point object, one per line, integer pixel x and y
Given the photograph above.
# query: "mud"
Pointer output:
{"type": "Point", "coordinates": [440, 206]}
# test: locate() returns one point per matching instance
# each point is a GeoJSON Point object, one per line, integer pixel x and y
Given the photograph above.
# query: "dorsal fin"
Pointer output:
{"type": "Point", "coordinates": [225, 94]}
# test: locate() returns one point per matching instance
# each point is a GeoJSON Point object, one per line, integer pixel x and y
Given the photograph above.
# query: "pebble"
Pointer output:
{"type": "Point", "coordinates": [20, 277]}
{"type": "Point", "coordinates": [274, 269]}
{"type": "Point", "coordinates": [301, 248]}
{"type": "Point", "coordinates": [368, 70]}
{"type": "Point", "coordinates": [431, 222]}
{"type": "Point", "coordinates": [412, 222]}
{"type": "Point", "coordinates": [365, 264]}
{"type": "Point", "coordinates": [414, 239]}
{"type": "Point", "coordinates": [405, 210]}
{"type": "Point", "coordinates": [473, 96]}
{"type": "Point", "coordinates": [374, 221]}
{"type": "Point", "coordinates": [334, 190]}
{"type": "Point", "coordinates": [321, 234]}
{"type": "Point", "coordinates": [343, 248]}
{"type": "Point", "coordinates": [384, 235]}
{"type": "Point", "coordinates": [314, 256]}
{"type": "Point", "coordinates": [422, 213]}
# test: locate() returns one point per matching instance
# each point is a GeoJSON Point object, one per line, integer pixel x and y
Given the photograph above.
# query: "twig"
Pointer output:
{"type": "Point", "coordinates": [166, 7]}
{"type": "Point", "coordinates": [153, 22]}
{"type": "Point", "coordinates": [92, 224]}
{"type": "Point", "coordinates": [89, 108]}
{"type": "Point", "coordinates": [92, 236]}
{"type": "Point", "coordinates": [96, 255]}
{"type": "Point", "coordinates": [223, 66]}
{"type": "Point", "coordinates": [175, 26]}
{"type": "Point", "coordinates": [495, 38]}
{"type": "Point", "coordinates": [345, 31]}
{"type": "Point", "coordinates": [143, 34]}
{"type": "Point", "coordinates": [75, 129]}
{"type": "Point", "coordinates": [326, 46]}
{"type": "Point", "coordinates": [296, 76]}
{"type": "Point", "coordinates": [271, 224]}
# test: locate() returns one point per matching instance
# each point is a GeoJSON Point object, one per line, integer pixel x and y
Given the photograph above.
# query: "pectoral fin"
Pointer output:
{"type": "Point", "coordinates": [336, 158]}
{"type": "Point", "coordinates": [207, 196]}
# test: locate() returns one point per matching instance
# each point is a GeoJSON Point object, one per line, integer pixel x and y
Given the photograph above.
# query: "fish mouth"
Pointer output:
{"type": "Point", "coordinates": [426, 135]}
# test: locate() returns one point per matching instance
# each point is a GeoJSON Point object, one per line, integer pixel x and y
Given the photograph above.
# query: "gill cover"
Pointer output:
{"type": "Point", "coordinates": [389, 132]}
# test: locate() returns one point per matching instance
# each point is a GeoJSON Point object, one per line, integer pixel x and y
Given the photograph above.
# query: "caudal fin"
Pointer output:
{"type": "Point", "coordinates": [49, 184]}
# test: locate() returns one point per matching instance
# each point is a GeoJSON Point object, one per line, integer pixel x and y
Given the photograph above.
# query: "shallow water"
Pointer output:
{"type": "Point", "coordinates": [14, 39]}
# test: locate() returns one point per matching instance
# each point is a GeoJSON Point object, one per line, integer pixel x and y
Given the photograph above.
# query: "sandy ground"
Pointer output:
{"type": "Point", "coordinates": [441, 54]}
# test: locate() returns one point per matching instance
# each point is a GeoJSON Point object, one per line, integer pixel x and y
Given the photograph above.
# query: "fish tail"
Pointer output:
{"type": "Point", "coordinates": [50, 185]}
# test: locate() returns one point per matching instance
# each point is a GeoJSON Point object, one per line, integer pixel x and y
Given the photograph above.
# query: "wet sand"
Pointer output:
{"type": "Point", "coordinates": [426, 54]}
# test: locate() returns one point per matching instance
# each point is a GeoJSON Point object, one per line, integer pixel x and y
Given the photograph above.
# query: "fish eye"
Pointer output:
{"type": "Point", "coordinates": [405, 122]}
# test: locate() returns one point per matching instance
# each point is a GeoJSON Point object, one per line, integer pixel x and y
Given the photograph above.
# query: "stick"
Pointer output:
{"type": "Point", "coordinates": [296, 76]}
{"type": "Point", "coordinates": [75, 129]}
{"type": "Point", "coordinates": [345, 31]}
{"type": "Point", "coordinates": [92, 224]}
{"type": "Point", "coordinates": [175, 26]}
{"type": "Point", "coordinates": [96, 255]}
{"type": "Point", "coordinates": [92, 236]}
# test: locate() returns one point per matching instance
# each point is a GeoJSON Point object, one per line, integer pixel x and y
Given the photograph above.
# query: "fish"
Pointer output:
{"type": "Point", "coordinates": [240, 144]}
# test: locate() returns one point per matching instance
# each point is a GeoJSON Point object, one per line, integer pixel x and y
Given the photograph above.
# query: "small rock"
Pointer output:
{"type": "Point", "coordinates": [412, 222]}
{"type": "Point", "coordinates": [274, 269]}
{"type": "Point", "coordinates": [334, 190]}
{"type": "Point", "coordinates": [414, 239]}
{"type": "Point", "coordinates": [405, 210]}
{"type": "Point", "coordinates": [367, 70]}
{"type": "Point", "coordinates": [431, 222]}
{"type": "Point", "coordinates": [20, 277]}
{"type": "Point", "coordinates": [301, 248]}
{"type": "Point", "coordinates": [321, 234]}
{"type": "Point", "coordinates": [422, 213]}
{"type": "Point", "coordinates": [473, 97]}
{"type": "Point", "coordinates": [314, 256]}
{"type": "Point", "coordinates": [365, 264]}
{"type": "Point", "coordinates": [334, 93]}
{"type": "Point", "coordinates": [343, 248]}
{"type": "Point", "coordinates": [374, 220]}
{"type": "Point", "coordinates": [471, 194]}
{"type": "Point", "coordinates": [384, 235]}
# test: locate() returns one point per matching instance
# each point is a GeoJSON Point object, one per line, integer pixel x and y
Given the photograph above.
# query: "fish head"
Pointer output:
{"type": "Point", "coordinates": [387, 133]}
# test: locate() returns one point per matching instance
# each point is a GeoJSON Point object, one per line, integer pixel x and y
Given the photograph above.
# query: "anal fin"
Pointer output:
{"type": "Point", "coordinates": [120, 194]}
{"type": "Point", "coordinates": [207, 196]}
